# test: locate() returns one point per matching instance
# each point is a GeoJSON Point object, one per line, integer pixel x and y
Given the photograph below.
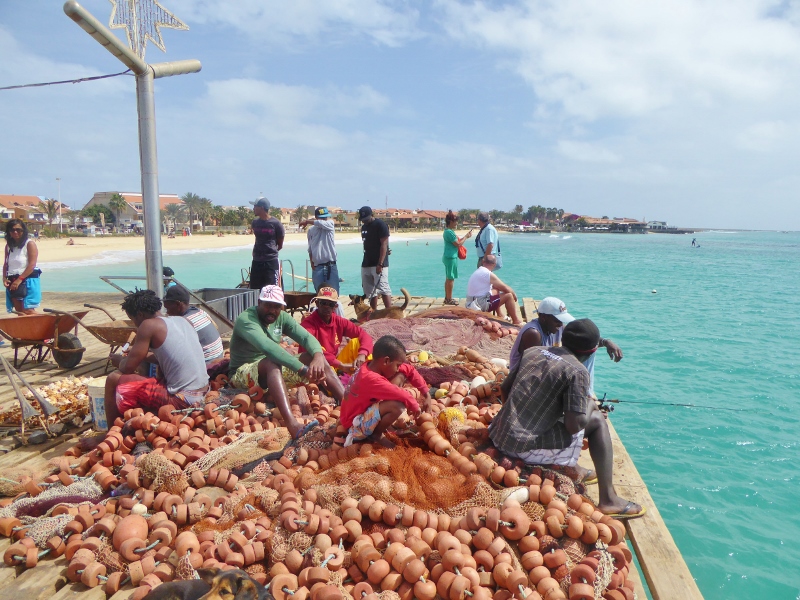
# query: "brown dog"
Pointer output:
{"type": "Point", "coordinates": [212, 585]}
{"type": "Point", "coordinates": [232, 585]}
{"type": "Point", "coordinates": [365, 313]}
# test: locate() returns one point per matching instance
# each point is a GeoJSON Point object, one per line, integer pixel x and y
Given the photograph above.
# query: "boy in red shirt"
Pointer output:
{"type": "Point", "coordinates": [375, 398]}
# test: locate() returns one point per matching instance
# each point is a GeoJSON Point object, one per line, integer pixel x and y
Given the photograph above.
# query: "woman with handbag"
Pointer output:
{"type": "Point", "coordinates": [20, 273]}
{"type": "Point", "coordinates": [454, 251]}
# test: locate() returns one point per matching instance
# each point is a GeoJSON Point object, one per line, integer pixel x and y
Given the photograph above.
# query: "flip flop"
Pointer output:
{"type": "Point", "coordinates": [591, 477]}
{"type": "Point", "coordinates": [626, 514]}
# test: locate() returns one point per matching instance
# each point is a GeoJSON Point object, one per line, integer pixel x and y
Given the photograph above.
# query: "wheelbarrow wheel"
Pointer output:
{"type": "Point", "coordinates": [68, 360]}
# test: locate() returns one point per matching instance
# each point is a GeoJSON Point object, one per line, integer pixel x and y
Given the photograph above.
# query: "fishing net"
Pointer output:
{"type": "Point", "coordinates": [166, 475]}
{"type": "Point", "coordinates": [404, 475]}
{"type": "Point", "coordinates": [436, 376]}
{"type": "Point", "coordinates": [43, 528]}
{"type": "Point", "coordinates": [246, 448]}
{"type": "Point", "coordinates": [440, 336]}
{"type": "Point", "coordinates": [12, 481]}
{"type": "Point", "coordinates": [83, 490]}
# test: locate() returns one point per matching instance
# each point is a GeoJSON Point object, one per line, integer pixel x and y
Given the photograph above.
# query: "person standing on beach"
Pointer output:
{"type": "Point", "coordinates": [487, 241]}
{"type": "Point", "coordinates": [265, 269]}
{"type": "Point", "coordinates": [20, 273]}
{"type": "Point", "coordinates": [450, 257]}
{"type": "Point", "coordinates": [375, 265]}
{"type": "Point", "coordinates": [322, 250]}
{"type": "Point", "coordinates": [547, 412]}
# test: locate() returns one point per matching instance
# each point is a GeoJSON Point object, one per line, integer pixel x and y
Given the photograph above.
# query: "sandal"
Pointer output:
{"type": "Point", "coordinates": [451, 302]}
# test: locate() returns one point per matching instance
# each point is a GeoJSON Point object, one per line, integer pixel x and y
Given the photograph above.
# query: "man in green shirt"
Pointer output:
{"type": "Point", "coordinates": [257, 357]}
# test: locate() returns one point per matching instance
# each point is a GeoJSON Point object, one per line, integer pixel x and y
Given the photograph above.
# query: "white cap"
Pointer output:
{"type": "Point", "coordinates": [554, 306]}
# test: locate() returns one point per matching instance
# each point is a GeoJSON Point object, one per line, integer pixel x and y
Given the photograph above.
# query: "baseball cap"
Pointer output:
{"type": "Point", "coordinates": [327, 293]}
{"type": "Point", "coordinates": [364, 212]}
{"type": "Point", "coordinates": [322, 212]}
{"type": "Point", "coordinates": [554, 306]}
{"type": "Point", "coordinates": [581, 336]}
{"type": "Point", "coordinates": [262, 202]}
{"type": "Point", "coordinates": [176, 293]}
{"type": "Point", "coordinates": [167, 272]}
{"type": "Point", "coordinates": [272, 293]}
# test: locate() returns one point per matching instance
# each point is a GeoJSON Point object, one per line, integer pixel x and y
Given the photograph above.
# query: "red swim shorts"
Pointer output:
{"type": "Point", "coordinates": [148, 394]}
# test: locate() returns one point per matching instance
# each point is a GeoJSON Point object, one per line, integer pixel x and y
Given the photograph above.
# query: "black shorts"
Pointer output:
{"type": "Point", "coordinates": [264, 273]}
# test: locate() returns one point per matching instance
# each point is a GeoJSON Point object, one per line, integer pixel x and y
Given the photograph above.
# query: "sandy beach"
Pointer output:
{"type": "Point", "coordinates": [57, 250]}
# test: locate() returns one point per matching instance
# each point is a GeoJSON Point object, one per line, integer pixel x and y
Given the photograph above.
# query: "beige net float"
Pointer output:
{"type": "Point", "coordinates": [431, 518]}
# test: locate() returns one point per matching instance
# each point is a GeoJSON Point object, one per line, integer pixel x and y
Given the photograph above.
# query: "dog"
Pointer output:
{"type": "Point", "coordinates": [213, 584]}
{"type": "Point", "coordinates": [364, 312]}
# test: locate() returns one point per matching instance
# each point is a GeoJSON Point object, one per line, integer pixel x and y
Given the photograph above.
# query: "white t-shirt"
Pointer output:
{"type": "Point", "coordinates": [18, 259]}
{"type": "Point", "coordinates": [480, 283]}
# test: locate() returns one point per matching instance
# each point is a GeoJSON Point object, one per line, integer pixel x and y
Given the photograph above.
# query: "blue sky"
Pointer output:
{"type": "Point", "coordinates": [683, 110]}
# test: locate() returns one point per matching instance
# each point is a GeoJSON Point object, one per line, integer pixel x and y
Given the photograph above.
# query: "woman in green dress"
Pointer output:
{"type": "Point", "coordinates": [450, 257]}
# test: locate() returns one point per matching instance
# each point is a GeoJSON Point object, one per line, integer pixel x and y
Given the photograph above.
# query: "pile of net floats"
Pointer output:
{"type": "Point", "coordinates": [314, 519]}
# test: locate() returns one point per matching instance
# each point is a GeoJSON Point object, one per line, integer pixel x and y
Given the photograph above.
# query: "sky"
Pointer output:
{"type": "Point", "coordinates": [685, 111]}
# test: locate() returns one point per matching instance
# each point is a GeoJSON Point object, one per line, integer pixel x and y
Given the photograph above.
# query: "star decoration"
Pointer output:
{"type": "Point", "coordinates": [142, 20]}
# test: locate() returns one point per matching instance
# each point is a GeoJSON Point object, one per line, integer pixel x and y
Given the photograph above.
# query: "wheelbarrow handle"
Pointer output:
{"type": "Point", "coordinates": [69, 314]}
{"type": "Point", "coordinates": [110, 316]}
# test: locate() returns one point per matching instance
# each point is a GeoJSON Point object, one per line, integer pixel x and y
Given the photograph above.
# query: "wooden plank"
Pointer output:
{"type": "Point", "coordinates": [662, 565]}
{"type": "Point", "coordinates": [41, 582]}
{"type": "Point", "coordinates": [78, 591]}
{"type": "Point", "coordinates": [529, 306]}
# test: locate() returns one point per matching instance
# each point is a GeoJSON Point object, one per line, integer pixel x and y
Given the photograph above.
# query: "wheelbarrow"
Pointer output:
{"type": "Point", "coordinates": [116, 333]}
{"type": "Point", "coordinates": [43, 334]}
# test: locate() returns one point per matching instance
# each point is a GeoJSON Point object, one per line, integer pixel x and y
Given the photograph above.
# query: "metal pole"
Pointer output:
{"type": "Point", "coordinates": [148, 159]}
{"type": "Point", "coordinates": [60, 226]}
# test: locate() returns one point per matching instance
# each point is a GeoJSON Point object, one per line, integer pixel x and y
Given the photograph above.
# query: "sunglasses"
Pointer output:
{"type": "Point", "coordinates": [326, 303]}
{"type": "Point", "coordinates": [17, 230]}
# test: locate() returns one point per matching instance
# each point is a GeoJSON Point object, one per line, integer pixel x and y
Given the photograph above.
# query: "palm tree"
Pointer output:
{"type": "Point", "coordinates": [191, 201]}
{"type": "Point", "coordinates": [174, 210]}
{"type": "Point", "coordinates": [275, 212]}
{"type": "Point", "coordinates": [117, 203]}
{"type": "Point", "coordinates": [203, 210]}
{"type": "Point", "coordinates": [245, 215]}
{"type": "Point", "coordinates": [496, 215]}
{"type": "Point", "coordinates": [301, 212]}
{"type": "Point", "coordinates": [49, 206]}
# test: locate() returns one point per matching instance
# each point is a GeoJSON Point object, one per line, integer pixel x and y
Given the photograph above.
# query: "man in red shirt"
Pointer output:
{"type": "Point", "coordinates": [376, 398]}
{"type": "Point", "coordinates": [329, 329]}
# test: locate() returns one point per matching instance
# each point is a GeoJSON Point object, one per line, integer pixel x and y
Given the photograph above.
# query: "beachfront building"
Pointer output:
{"type": "Point", "coordinates": [30, 210]}
{"type": "Point", "coordinates": [657, 225]}
{"type": "Point", "coordinates": [130, 216]}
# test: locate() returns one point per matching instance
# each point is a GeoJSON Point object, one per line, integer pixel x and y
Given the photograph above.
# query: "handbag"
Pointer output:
{"type": "Point", "coordinates": [21, 292]}
{"type": "Point", "coordinates": [462, 252]}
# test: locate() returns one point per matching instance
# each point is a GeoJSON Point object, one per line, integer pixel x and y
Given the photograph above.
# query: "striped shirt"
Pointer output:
{"type": "Point", "coordinates": [549, 381]}
{"type": "Point", "coordinates": [206, 332]}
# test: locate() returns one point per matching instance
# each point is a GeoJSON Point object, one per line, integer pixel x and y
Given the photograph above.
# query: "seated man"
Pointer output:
{"type": "Point", "coordinates": [257, 357]}
{"type": "Point", "coordinates": [176, 301]}
{"type": "Point", "coordinates": [545, 330]}
{"type": "Point", "coordinates": [329, 328]}
{"type": "Point", "coordinates": [479, 291]}
{"type": "Point", "coordinates": [174, 346]}
{"type": "Point", "coordinates": [547, 412]}
{"type": "Point", "coordinates": [375, 398]}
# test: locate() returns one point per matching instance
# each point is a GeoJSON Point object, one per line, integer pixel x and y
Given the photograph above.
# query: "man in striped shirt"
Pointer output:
{"type": "Point", "coordinates": [176, 301]}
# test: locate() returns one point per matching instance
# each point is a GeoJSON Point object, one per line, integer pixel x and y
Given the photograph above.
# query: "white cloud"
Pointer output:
{"type": "Point", "coordinates": [762, 137]}
{"type": "Point", "coordinates": [386, 22]}
{"type": "Point", "coordinates": [624, 58]}
{"type": "Point", "coordinates": [586, 152]}
{"type": "Point", "coordinates": [295, 115]}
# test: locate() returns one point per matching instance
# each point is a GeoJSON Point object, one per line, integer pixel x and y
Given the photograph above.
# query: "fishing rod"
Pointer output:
{"type": "Point", "coordinates": [605, 400]}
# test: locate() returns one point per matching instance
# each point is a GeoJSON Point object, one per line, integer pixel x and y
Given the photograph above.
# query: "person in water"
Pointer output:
{"type": "Point", "coordinates": [694, 242]}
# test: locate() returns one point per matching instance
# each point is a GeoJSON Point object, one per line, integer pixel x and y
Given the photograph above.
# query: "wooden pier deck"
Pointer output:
{"type": "Point", "coordinates": [664, 573]}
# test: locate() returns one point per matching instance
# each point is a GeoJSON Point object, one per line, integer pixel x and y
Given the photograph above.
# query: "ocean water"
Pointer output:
{"type": "Point", "coordinates": [720, 332]}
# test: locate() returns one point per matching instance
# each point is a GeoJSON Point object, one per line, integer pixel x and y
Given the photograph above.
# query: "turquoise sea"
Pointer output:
{"type": "Point", "coordinates": [720, 332]}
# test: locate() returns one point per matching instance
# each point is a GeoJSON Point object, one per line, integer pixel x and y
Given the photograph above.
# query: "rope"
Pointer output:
{"type": "Point", "coordinates": [80, 80]}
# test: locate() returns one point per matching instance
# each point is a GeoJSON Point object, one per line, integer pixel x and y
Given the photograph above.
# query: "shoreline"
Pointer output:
{"type": "Point", "coordinates": [53, 251]}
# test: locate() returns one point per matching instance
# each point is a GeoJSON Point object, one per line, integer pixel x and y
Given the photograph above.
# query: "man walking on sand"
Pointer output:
{"type": "Point", "coordinates": [375, 265]}
{"type": "Point", "coordinates": [265, 269]}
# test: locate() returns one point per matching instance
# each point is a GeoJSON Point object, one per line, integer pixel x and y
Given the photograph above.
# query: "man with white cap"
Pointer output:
{"type": "Point", "coordinates": [257, 357]}
{"type": "Point", "coordinates": [546, 329]}
{"type": "Point", "coordinates": [265, 269]}
{"type": "Point", "coordinates": [322, 250]}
